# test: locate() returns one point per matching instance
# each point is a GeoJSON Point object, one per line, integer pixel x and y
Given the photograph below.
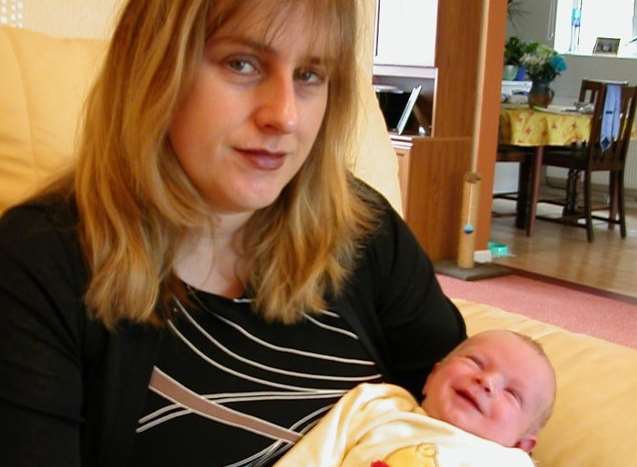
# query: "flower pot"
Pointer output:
{"type": "Point", "coordinates": [510, 72]}
{"type": "Point", "coordinates": [541, 94]}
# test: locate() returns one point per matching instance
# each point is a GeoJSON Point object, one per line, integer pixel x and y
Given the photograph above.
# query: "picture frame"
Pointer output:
{"type": "Point", "coordinates": [606, 46]}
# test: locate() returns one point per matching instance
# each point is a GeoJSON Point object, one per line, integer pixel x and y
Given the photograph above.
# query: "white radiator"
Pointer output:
{"type": "Point", "coordinates": [630, 174]}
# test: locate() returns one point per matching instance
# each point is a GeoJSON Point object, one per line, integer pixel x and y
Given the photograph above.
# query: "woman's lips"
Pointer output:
{"type": "Point", "coordinates": [263, 159]}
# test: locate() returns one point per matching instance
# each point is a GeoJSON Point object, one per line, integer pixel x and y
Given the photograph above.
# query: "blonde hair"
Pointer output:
{"type": "Point", "coordinates": [135, 203]}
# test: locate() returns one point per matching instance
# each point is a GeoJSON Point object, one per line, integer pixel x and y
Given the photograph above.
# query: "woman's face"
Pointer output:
{"type": "Point", "coordinates": [253, 112]}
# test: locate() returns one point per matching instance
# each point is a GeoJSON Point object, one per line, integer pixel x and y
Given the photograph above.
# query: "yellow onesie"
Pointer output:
{"type": "Point", "coordinates": [382, 425]}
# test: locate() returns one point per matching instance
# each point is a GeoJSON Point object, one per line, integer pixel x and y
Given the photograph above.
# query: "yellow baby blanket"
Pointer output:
{"type": "Point", "coordinates": [383, 425]}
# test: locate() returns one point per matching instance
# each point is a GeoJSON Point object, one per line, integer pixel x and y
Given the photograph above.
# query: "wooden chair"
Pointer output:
{"type": "Point", "coordinates": [589, 157]}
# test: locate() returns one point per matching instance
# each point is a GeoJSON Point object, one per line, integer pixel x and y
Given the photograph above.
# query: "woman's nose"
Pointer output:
{"type": "Point", "coordinates": [277, 111]}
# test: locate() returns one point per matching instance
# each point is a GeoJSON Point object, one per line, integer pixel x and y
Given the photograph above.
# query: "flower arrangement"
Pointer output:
{"type": "Point", "coordinates": [542, 63]}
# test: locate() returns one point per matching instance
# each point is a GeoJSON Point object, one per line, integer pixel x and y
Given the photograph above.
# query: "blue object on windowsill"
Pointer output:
{"type": "Point", "coordinates": [521, 75]}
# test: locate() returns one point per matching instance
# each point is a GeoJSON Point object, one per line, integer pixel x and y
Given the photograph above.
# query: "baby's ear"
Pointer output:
{"type": "Point", "coordinates": [527, 443]}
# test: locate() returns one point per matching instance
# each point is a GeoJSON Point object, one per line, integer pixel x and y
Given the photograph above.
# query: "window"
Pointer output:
{"type": "Point", "coordinates": [607, 18]}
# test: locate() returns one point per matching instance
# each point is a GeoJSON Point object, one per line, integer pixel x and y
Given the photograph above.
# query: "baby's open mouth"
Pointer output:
{"type": "Point", "coordinates": [466, 395]}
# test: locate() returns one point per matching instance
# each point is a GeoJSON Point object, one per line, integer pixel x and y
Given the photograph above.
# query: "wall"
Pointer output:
{"type": "Point", "coordinates": [71, 18]}
{"type": "Point", "coordinates": [531, 22]}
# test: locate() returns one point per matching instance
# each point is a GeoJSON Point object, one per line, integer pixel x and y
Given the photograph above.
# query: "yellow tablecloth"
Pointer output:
{"type": "Point", "coordinates": [523, 126]}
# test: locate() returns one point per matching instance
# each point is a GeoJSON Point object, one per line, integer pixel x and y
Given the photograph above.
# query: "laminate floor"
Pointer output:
{"type": "Point", "coordinates": [561, 252]}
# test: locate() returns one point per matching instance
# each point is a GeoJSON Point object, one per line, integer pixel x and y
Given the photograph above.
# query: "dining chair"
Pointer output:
{"type": "Point", "coordinates": [593, 156]}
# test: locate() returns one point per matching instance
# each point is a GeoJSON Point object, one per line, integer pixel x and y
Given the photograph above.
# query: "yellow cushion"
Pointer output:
{"type": "Point", "coordinates": [43, 83]}
{"type": "Point", "coordinates": [595, 419]}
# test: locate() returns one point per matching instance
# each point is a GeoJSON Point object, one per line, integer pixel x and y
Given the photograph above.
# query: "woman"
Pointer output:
{"type": "Point", "coordinates": [209, 278]}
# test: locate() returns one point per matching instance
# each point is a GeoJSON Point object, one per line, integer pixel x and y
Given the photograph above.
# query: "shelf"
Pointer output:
{"type": "Point", "coordinates": [406, 71]}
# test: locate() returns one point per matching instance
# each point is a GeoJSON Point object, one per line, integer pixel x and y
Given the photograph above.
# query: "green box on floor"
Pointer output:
{"type": "Point", "coordinates": [498, 250]}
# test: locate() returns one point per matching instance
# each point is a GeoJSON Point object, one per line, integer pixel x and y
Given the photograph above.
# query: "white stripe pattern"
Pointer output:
{"type": "Point", "coordinates": [242, 350]}
{"type": "Point", "coordinates": [271, 368]}
{"type": "Point", "coordinates": [331, 328]}
{"type": "Point", "coordinates": [303, 353]}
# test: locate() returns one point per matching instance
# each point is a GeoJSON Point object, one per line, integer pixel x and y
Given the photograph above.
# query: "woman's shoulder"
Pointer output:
{"type": "Point", "coordinates": [42, 234]}
{"type": "Point", "coordinates": [53, 212]}
{"type": "Point", "coordinates": [389, 230]}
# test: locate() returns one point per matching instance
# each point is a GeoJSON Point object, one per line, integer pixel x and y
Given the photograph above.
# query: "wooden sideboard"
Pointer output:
{"type": "Point", "coordinates": [430, 172]}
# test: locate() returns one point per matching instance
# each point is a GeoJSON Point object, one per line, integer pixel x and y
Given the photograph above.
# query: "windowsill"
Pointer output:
{"type": "Point", "coordinates": [582, 54]}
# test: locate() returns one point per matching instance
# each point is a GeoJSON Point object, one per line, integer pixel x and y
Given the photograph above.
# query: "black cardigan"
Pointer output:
{"type": "Point", "coordinates": [74, 391]}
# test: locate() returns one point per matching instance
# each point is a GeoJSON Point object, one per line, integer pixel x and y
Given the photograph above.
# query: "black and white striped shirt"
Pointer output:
{"type": "Point", "coordinates": [271, 382]}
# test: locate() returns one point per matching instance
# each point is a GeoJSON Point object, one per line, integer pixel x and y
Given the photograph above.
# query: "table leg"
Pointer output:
{"type": "Point", "coordinates": [613, 179]}
{"type": "Point", "coordinates": [534, 195]}
{"type": "Point", "coordinates": [521, 206]}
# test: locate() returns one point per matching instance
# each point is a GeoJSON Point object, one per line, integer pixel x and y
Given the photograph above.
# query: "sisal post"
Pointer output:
{"type": "Point", "coordinates": [468, 220]}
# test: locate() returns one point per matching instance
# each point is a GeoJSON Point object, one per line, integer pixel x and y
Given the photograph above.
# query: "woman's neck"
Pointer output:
{"type": "Point", "coordinates": [209, 258]}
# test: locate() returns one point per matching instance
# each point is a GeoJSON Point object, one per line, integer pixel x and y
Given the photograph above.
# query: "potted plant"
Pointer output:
{"type": "Point", "coordinates": [514, 50]}
{"type": "Point", "coordinates": [543, 64]}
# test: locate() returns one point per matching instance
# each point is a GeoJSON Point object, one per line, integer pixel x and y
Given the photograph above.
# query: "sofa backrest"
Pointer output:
{"type": "Point", "coordinates": [43, 83]}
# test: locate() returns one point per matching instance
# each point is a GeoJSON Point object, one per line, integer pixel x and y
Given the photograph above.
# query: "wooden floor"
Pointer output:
{"type": "Point", "coordinates": [562, 252]}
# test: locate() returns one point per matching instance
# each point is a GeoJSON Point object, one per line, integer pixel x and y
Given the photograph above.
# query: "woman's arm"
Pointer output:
{"type": "Point", "coordinates": [419, 323]}
{"type": "Point", "coordinates": [40, 361]}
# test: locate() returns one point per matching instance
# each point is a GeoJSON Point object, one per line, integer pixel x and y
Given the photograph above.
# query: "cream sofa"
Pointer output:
{"type": "Point", "coordinates": [42, 84]}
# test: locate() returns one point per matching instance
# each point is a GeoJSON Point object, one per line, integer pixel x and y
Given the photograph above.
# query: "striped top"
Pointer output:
{"type": "Point", "coordinates": [230, 389]}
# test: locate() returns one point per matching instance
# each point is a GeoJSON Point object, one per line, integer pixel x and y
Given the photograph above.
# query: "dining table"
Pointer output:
{"type": "Point", "coordinates": [538, 127]}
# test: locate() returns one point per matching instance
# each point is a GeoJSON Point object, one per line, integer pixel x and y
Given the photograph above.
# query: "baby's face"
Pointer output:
{"type": "Point", "coordinates": [494, 385]}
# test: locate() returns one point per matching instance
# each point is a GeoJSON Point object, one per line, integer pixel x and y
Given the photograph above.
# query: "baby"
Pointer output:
{"type": "Point", "coordinates": [484, 406]}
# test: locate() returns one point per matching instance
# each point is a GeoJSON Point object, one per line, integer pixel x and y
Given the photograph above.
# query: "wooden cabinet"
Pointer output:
{"type": "Point", "coordinates": [406, 32]}
{"type": "Point", "coordinates": [430, 175]}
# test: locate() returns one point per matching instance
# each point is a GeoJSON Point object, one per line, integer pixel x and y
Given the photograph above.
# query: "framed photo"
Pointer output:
{"type": "Point", "coordinates": [606, 46]}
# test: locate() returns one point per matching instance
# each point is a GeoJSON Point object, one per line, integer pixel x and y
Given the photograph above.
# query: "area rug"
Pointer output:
{"type": "Point", "coordinates": [570, 308]}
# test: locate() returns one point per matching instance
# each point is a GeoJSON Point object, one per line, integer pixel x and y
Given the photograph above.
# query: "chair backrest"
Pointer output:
{"type": "Point", "coordinates": [594, 92]}
{"type": "Point", "coordinates": [591, 90]}
{"type": "Point", "coordinates": [628, 106]}
{"type": "Point", "coordinates": [613, 156]}
{"type": "Point", "coordinates": [590, 87]}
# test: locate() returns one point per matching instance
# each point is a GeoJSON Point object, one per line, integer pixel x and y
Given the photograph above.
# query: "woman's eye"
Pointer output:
{"type": "Point", "coordinates": [310, 76]}
{"type": "Point", "coordinates": [242, 66]}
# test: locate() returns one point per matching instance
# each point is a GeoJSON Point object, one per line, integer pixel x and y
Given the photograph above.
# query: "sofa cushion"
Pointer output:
{"type": "Point", "coordinates": [595, 418]}
{"type": "Point", "coordinates": [43, 84]}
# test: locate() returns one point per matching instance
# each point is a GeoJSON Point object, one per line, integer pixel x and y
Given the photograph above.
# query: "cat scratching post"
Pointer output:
{"type": "Point", "coordinates": [468, 219]}
{"type": "Point", "coordinates": [464, 267]}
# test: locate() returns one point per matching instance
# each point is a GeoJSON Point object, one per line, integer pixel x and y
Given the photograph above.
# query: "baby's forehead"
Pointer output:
{"type": "Point", "coordinates": [498, 336]}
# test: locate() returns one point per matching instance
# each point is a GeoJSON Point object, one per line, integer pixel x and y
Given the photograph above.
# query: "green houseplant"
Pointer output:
{"type": "Point", "coordinates": [514, 50]}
